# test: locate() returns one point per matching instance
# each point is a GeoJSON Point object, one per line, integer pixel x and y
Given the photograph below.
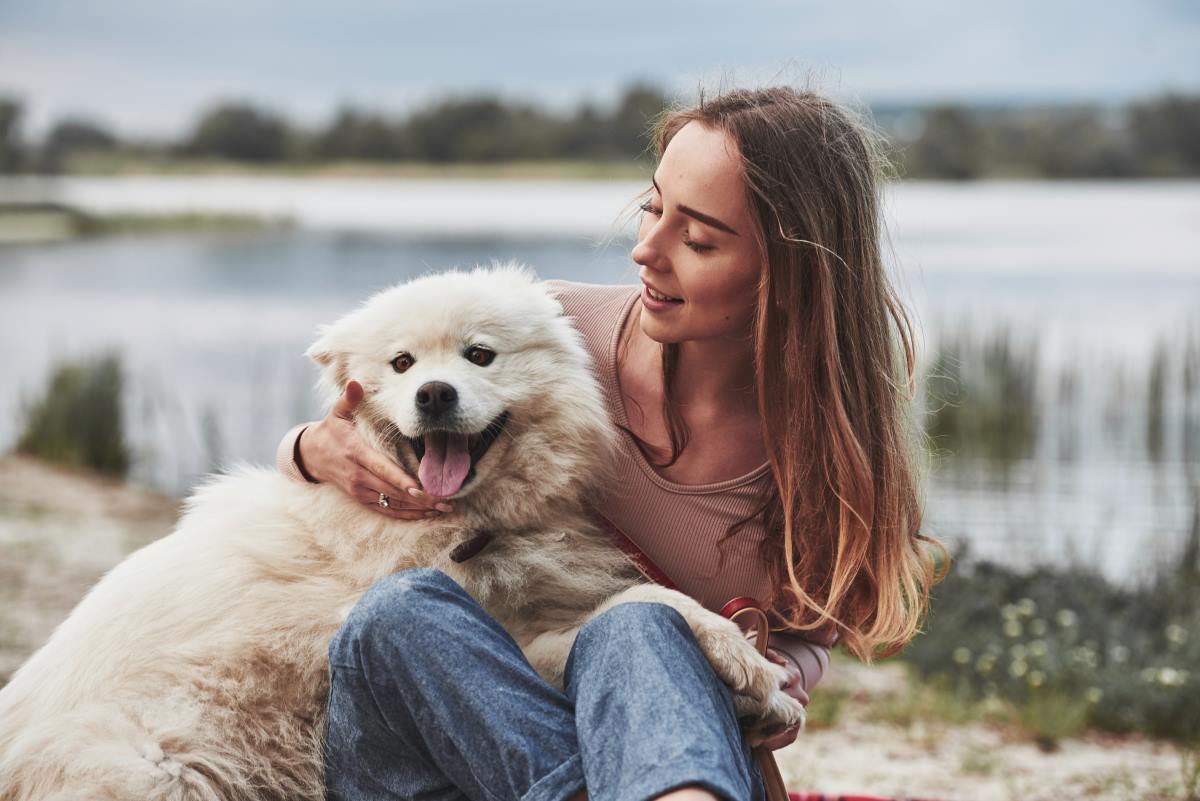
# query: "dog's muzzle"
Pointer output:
{"type": "Point", "coordinates": [447, 459]}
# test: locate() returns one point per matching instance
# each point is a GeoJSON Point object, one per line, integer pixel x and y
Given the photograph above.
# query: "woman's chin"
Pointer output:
{"type": "Point", "coordinates": [658, 331]}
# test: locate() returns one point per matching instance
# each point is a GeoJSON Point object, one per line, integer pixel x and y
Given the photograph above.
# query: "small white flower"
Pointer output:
{"type": "Point", "coordinates": [1038, 627]}
{"type": "Point", "coordinates": [1170, 677]}
{"type": "Point", "coordinates": [1118, 654]}
{"type": "Point", "coordinates": [1093, 695]}
{"type": "Point", "coordinates": [962, 655]}
{"type": "Point", "coordinates": [1027, 607]}
{"type": "Point", "coordinates": [1018, 668]}
{"type": "Point", "coordinates": [1037, 648]}
{"type": "Point", "coordinates": [1176, 634]}
{"type": "Point", "coordinates": [1084, 656]}
{"type": "Point", "coordinates": [1012, 628]}
{"type": "Point", "coordinates": [1066, 618]}
{"type": "Point", "coordinates": [1036, 678]}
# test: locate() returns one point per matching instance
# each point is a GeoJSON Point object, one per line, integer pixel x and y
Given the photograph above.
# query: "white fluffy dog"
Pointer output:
{"type": "Point", "coordinates": [197, 668]}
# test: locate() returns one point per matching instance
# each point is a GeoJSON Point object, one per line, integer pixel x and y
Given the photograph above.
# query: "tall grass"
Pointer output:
{"type": "Point", "coordinates": [79, 420]}
{"type": "Point", "coordinates": [981, 398]}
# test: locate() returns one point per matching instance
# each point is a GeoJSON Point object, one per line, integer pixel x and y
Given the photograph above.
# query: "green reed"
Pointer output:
{"type": "Point", "coordinates": [79, 421]}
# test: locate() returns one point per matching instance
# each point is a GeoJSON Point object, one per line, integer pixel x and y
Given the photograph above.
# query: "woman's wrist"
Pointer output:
{"type": "Point", "coordinates": [298, 457]}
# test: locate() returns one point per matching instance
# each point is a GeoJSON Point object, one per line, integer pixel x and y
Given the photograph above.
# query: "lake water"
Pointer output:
{"type": "Point", "coordinates": [1092, 291]}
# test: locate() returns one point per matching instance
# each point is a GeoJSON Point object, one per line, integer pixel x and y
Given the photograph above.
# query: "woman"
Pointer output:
{"type": "Point", "coordinates": [757, 377]}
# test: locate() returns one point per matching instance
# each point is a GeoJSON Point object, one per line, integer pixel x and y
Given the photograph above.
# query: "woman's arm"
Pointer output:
{"type": "Point", "coordinates": [287, 458]}
{"type": "Point", "coordinates": [810, 658]}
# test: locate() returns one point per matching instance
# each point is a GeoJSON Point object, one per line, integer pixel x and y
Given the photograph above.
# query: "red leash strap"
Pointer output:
{"type": "Point", "coordinates": [642, 562]}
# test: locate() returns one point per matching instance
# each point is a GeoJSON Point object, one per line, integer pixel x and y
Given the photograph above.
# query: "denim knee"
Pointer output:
{"type": "Point", "coordinates": [406, 607]}
{"type": "Point", "coordinates": [637, 622]}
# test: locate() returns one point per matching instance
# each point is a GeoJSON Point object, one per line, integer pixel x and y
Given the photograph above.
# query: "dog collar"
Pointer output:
{"type": "Point", "coordinates": [465, 550]}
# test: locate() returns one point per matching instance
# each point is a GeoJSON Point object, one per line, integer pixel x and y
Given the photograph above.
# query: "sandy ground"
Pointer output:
{"type": "Point", "coordinates": [976, 762]}
{"type": "Point", "coordinates": [60, 530]}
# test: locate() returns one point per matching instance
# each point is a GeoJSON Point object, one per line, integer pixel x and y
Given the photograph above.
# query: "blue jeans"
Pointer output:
{"type": "Point", "coordinates": [431, 699]}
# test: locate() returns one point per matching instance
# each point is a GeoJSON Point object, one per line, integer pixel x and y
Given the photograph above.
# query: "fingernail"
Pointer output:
{"type": "Point", "coordinates": [416, 493]}
{"type": "Point", "coordinates": [444, 507]}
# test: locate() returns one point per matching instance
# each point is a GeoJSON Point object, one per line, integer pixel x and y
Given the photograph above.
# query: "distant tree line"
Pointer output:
{"type": "Point", "coordinates": [1158, 137]}
{"type": "Point", "coordinates": [1152, 138]}
{"type": "Point", "coordinates": [471, 129]}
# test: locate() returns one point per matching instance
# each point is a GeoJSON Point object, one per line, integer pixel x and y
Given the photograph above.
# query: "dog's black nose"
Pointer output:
{"type": "Point", "coordinates": [436, 397]}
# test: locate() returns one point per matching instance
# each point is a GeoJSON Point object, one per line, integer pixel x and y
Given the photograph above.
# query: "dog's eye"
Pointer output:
{"type": "Point", "coordinates": [479, 355]}
{"type": "Point", "coordinates": [403, 362]}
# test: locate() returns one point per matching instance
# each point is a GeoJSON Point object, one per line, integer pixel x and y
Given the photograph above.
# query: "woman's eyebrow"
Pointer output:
{"type": "Point", "coordinates": [702, 217]}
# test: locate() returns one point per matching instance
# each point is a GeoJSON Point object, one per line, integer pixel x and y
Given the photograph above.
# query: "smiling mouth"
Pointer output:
{"type": "Point", "coordinates": [448, 458]}
{"type": "Point", "coordinates": [659, 296]}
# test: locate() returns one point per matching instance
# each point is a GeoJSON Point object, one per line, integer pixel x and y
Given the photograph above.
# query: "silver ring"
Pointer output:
{"type": "Point", "coordinates": [384, 501]}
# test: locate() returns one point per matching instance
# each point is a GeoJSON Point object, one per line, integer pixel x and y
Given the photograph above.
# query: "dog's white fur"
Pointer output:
{"type": "Point", "coordinates": [197, 668]}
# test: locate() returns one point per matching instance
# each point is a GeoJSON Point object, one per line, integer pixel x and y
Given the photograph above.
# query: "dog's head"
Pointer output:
{"type": "Point", "coordinates": [477, 385]}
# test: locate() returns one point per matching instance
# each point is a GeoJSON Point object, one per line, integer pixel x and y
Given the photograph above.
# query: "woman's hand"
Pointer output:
{"type": "Point", "coordinates": [333, 451]}
{"type": "Point", "coordinates": [794, 688]}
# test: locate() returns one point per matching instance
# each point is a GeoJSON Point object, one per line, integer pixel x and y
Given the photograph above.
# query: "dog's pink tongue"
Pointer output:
{"type": "Point", "coordinates": [445, 465]}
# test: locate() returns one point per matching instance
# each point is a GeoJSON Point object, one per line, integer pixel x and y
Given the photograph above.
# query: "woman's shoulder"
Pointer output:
{"type": "Point", "coordinates": [589, 301]}
{"type": "Point", "coordinates": [596, 311]}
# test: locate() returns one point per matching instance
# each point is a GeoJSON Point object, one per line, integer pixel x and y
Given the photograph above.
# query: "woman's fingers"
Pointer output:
{"type": "Point", "coordinates": [398, 483]}
{"type": "Point", "coordinates": [369, 496]}
{"type": "Point", "coordinates": [795, 679]}
{"type": "Point", "coordinates": [352, 395]}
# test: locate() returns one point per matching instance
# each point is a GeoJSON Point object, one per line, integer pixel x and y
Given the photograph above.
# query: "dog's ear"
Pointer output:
{"type": "Point", "coordinates": [333, 359]}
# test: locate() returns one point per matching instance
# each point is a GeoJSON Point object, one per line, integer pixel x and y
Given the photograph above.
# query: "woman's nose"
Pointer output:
{"type": "Point", "coordinates": [648, 252]}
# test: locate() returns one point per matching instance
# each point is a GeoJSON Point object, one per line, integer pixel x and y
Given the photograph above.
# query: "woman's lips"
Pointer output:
{"type": "Point", "coordinates": [655, 305]}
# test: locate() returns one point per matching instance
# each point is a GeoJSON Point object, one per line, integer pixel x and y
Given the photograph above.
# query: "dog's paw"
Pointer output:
{"type": "Point", "coordinates": [763, 708]}
{"type": "Point", "coordinates": [738, 663]}
{"type": "Point", "coordinates": [765, 719]}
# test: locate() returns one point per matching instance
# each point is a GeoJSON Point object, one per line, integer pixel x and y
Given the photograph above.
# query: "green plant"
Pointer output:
{"type": "Point", "coordinates": [979, 762]}
{"type": "Point", "coordinates": [981, 399]}
{"type": "Point", "coordinates": [1052, 716]}
{"type": "Point", "coordinates": [1189, 769]}
{"type": "Point", "coordinates": [1067, 648]}
{"type": "Point", "coordinates": [79, 420]}
{"type": "Point", "coordinates": [825, 708]}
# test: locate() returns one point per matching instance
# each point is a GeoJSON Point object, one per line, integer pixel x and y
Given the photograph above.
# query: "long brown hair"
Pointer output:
{"type": "Point", "coordinates": [834, 366]}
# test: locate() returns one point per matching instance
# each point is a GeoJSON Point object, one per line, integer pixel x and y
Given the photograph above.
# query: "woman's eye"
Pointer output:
{"type": "Point", "coordinates": [480, 356]}
{"type": "Point", "coordinates": [403, 362]}
{"type": "Point", "coordinates": [646, 207]}
{"type": "Point", "coordinates": [696, 246]}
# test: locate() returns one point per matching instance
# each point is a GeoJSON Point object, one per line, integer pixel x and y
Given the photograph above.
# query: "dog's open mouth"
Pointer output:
{"type": "Point", "coordinates": [447, 458]}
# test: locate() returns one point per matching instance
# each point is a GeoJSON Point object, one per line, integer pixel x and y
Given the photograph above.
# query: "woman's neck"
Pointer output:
{"type": "Point", "coordinates": [712, 376]}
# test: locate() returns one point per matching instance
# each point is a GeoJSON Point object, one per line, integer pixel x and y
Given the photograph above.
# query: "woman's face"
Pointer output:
{"type": "Point", "coordinates": [696, 244]}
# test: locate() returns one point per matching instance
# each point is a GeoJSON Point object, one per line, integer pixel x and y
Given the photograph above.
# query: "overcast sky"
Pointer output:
{"type": "Point", "coordinates": [148, 66]}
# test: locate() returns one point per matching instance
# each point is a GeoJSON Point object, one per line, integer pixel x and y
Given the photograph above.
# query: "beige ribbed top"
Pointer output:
{"type": "Point", "coordinates": [677, 526]}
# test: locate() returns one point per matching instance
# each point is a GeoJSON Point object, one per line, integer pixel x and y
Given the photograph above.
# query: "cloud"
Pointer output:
{"type": "Point", "coordinates": [150, 65]}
